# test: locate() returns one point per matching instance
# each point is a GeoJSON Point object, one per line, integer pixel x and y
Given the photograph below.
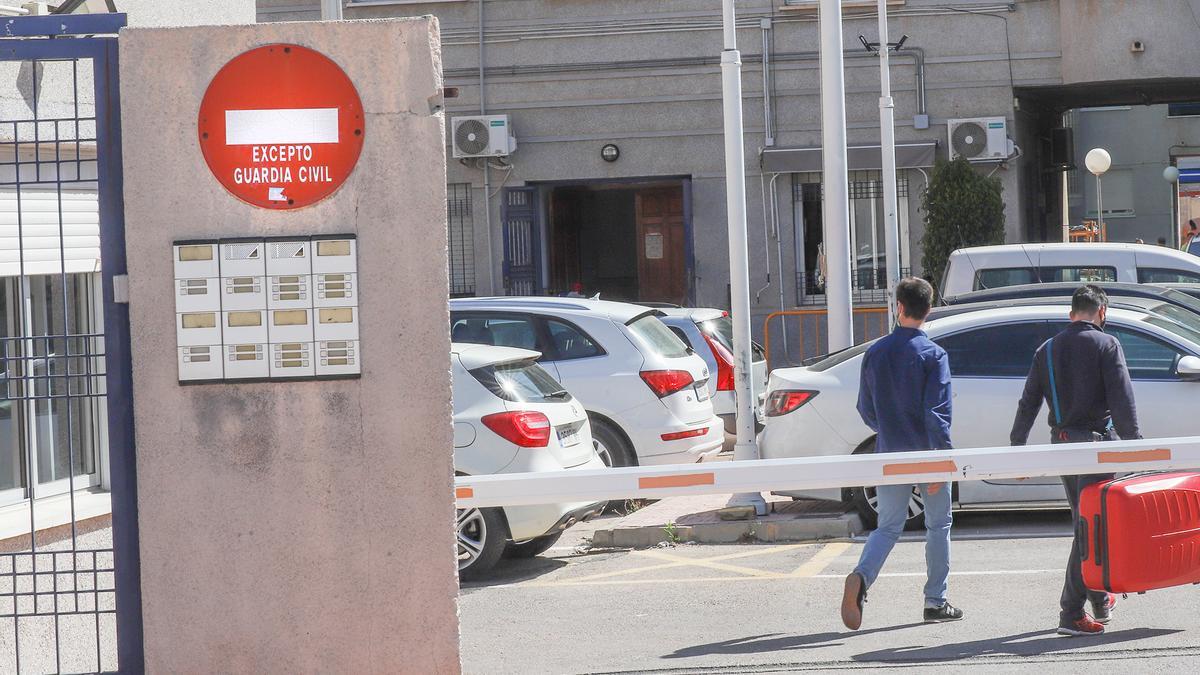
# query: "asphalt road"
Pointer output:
{"type": "Point", "coordinates": [774, 608]}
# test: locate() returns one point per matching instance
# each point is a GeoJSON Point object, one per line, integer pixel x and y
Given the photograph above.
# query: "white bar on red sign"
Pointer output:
{"type": "Point", "coordinates": [281, 126]}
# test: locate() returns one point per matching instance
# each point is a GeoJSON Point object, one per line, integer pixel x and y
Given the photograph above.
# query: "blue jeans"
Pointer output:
{"type": "Point", "coordinates": [893, 511]}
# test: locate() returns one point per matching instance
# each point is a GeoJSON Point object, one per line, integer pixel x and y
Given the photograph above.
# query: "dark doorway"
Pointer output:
{"type": "Point", "coordinates": [625, 241]}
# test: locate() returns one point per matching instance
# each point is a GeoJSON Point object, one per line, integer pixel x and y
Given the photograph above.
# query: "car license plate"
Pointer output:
{"type": "Point", "coordinates": [702, 392]}
{"type": "Point", "coordinates": [568, 437]}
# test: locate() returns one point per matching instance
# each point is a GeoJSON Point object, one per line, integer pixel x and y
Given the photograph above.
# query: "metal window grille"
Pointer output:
{"type": "Point", "coordinates": [868, 282]}
{"type": "Point", "coordinates": [57, 586]}
{"type": "Point", "coordinates": [461, 239]}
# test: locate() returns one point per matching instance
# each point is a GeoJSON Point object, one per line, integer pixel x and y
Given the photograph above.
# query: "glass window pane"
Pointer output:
{"type": "Point", "coordinates": [1001, 277]}
{"type": "Point", "coordinates": [570, 342]}
{"type": "Point", "coordinates": [655, 335]}
{"type": "Point", "coordinates": [995, 351]}
{"type": "Point", "coordinates": [1080, 274]}
{"type": "Point", "coordinates": [501, 331]}
{"type": "Point", "coordinates": [1147, 357]}
{"type": "Point", "coordinates": [1155, 275]}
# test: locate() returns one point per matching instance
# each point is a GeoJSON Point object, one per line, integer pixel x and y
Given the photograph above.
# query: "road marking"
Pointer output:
{"type": "Point", "coordinates": [702, 562]}
{"type": "Point", "coordinates": [821, 560]}
{"type": "Point", "coordinates": [683, 562]}
{"type": "Point", "coordinates": [771, 576]}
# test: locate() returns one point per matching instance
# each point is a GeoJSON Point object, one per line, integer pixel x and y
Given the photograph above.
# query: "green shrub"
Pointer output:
{"type": "Point", "coordinates": [962, 208]}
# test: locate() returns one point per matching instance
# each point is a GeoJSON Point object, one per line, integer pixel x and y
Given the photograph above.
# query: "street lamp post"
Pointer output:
{"type": "Point", "coordinates": [1098, 161]}
{"type": "Point", "coordinates": [1171, 175]}
{"type": "Point", "coordinates": [836, 207]}
{"type": "Point", "coordinates": [887, 150]}
{"type": "Point", "coordinates": [331, 10]}
{"type": "Point", "coordinates": [746, 447]}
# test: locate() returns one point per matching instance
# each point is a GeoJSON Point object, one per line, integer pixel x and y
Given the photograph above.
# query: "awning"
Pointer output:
{"type": "Point", "coordinates": [861, 157]}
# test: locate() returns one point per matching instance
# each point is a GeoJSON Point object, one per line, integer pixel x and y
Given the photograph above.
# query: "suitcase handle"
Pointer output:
{"type": "Point", "coordinates": [1081, 536]}
{"type": "Point", "coordinates": [1099, 542]}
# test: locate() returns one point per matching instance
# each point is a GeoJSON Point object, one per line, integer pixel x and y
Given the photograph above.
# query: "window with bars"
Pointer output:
{"type": "Point", "coordinates": [867, 268]}
{"type": "Point", "coordinates": [461, 238]}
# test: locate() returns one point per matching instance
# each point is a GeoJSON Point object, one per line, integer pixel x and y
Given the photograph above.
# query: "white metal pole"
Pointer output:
{"type": "Point", "coordinates": [331, 10]}
{"type": "Point", "coordinates": [837, 191]}
{"type": "Point", "coordinates": [887, 149]}
{"type": "Point", "coordinates": [746, 447]}
{"type": "Point", "coordinates": [1099, 209]}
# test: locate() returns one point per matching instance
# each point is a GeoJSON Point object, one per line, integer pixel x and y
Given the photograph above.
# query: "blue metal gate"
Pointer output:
{"type": "Point", "coordinates": [521, 214]}
{"type": "Point", "coordinates": [69, 588]}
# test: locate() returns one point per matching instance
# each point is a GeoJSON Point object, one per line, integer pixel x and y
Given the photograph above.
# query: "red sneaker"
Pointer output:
{"type": "Point", "coordinates": [1085, 626]}
{"type": "Point", "coordinates": [1103, 613]}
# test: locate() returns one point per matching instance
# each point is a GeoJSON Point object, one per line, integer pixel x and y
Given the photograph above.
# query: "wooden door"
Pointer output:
{"type": "Point", "coordinates": [662, 273]}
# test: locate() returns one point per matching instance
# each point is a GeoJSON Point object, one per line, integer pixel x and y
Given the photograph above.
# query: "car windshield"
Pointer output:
{"type": "Point", "coordinates": [522, 382]}
{"type": "Point", "coordinates": [1176, 320]}
{"type": "Point", "coordinates": [721, 330]}
{"type": "Point", "coordinates": [837, 358]}
{"type": "Point", "coordinates": [656, 337]}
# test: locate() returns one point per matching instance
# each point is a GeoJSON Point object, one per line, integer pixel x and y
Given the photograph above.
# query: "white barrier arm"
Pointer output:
{"type": "Point", "coordinates": [808, 473]}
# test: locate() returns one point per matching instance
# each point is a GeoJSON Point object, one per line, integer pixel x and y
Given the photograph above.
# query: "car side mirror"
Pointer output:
{"type": "Point", "coordinates": [1189, 368]}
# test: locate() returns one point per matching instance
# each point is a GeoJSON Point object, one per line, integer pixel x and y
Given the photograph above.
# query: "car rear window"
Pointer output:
{"type": "Point", "coordinates": [656, 337]}
{"type": "Point", "coordinates": [521, 382]}
{"type": "Point", "coordinates": [721, 330]}
{"type": "Point", "coordinates": [837, 358]}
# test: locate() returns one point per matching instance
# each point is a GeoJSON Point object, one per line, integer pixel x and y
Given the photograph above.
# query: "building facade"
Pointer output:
{"type": "Point", "coordinates": [617, 183]}
{"type": "Point", "coordinates": [51, 316]}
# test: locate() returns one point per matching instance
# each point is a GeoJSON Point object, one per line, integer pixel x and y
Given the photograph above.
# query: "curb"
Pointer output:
{"type": "Point", "coordinates": [730, 532]}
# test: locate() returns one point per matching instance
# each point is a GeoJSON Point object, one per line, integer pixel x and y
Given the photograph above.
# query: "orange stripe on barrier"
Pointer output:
{"type": "Point", "coordinates": [919, 467]}
{"type": "Point", "coordinates": [681, 480]}
{"type": "Point", "coordinates": [464, 493]}
{"type": "Point", "coordinates": [1126, 456]}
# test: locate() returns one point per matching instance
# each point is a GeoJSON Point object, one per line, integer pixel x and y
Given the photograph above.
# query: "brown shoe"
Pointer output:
{"type": "Point", "coordinates": [852, 600]}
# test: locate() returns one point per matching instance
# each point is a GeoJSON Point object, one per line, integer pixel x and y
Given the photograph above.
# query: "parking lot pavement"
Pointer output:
{"type": "Point", "coordinates": [773, 608]}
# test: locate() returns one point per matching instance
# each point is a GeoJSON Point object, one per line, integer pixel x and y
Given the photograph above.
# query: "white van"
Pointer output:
{"type": "Point", "coordinates": [983, 267]}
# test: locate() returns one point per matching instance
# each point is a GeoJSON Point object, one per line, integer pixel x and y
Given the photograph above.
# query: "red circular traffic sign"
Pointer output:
{"type": "Point", "coordinates": [281, 126]}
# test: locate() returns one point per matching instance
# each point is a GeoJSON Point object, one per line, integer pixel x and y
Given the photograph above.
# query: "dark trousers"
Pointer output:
{"type": "Point", "coordinates": [1074, 593]}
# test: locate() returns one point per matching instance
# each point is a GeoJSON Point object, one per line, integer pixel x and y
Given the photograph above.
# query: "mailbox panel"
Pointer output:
{"type": "Point", "coordinates": [338, 357]}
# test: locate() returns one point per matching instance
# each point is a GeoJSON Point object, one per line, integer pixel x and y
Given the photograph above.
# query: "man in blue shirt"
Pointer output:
{"type": "Point", "coordinates": [904, 397]}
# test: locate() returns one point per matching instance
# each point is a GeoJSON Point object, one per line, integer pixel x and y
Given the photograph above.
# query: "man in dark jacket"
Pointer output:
{"type": "Point", "coordinates": [1081, 375]}
{"type": "Point", "coordinates": [904, 396]}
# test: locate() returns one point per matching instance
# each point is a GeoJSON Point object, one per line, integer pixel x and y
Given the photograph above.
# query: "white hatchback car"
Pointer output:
{"type": "Point", "coordinates": [511, 416]}
{"type": "Point", "coordinates": [709, 332]}
{"type": "Point", "coordinates": [812, 410]}
{"type": "Point", "coordinates": [645, 391]}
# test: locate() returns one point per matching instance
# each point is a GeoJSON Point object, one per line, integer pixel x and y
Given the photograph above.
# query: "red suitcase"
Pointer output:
{"type": "Point", "coordinates": [1140, 532]}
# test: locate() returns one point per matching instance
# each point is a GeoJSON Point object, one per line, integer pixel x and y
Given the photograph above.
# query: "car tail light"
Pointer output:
{"type": "Point", "coordinates": [666, 382]}
{"type": "Point", "coordinates": [525, 428]}
{"type": "Point", "coordinates": [724, 363]}
{"type": "Point", "coordinates": [785, 401]}
{"type": "Point", "coordinates": [690, 433]}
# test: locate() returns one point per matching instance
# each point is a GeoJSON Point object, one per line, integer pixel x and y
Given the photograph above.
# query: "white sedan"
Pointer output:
{"type": "Point", "coordinates": [511, 416]}
{"type": "Point", "coordinates": [812, 410]}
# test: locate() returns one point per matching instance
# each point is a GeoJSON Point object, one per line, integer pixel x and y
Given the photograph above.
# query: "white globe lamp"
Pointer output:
{"type": "Point", "coordinates": [1171, 174]}
{"type": "Point", "coordinates": [1098, 161]}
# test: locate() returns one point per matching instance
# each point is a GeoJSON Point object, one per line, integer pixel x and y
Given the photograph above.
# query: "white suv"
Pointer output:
{"type": "Point", "coordinates": [510, 416]}
{"type": "Point", "coordinates": [645, 391]}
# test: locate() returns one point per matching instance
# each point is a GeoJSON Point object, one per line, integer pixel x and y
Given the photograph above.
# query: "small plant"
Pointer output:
{"type": "Point", "coordinates": [962, 208]}
{"type": "Point", "coordinates": [672, 532]}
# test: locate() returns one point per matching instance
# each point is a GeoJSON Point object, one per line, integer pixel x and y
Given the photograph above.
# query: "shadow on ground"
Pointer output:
{"type": "Point", "coordinates": [776, 642]}
{"type": "Point", "coordinates": [1033, 643]}
{"type": "Point", "coordinates": [515, 570]}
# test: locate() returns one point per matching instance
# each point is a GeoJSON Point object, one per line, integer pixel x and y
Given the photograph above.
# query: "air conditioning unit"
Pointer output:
{"type": "Point", "coordinates": [979, 139]}
{"type": "Point", "coordinates": [481, 136]}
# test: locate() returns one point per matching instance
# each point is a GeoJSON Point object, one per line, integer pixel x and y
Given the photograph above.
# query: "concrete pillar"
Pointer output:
{"type": "Point", "coordinates": [296, 527]}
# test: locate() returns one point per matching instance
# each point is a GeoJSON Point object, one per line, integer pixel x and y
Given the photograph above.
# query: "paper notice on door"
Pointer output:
{"type": "Point", "coordinates": [654, 247]}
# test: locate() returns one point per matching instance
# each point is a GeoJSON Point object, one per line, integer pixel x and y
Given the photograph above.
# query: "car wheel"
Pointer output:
{"type": "Point", "coordinates": [533, 547]}
{"type": "Point", "coordinates": [866, 502]}
{"type": "Point", "coordinates": [612, 447]}
{"type": "Point", "coordinates": [482, 536]}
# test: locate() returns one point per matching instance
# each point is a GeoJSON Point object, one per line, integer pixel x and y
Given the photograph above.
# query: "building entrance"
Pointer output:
{"type": "Point", "coordinates": [625, 241]}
